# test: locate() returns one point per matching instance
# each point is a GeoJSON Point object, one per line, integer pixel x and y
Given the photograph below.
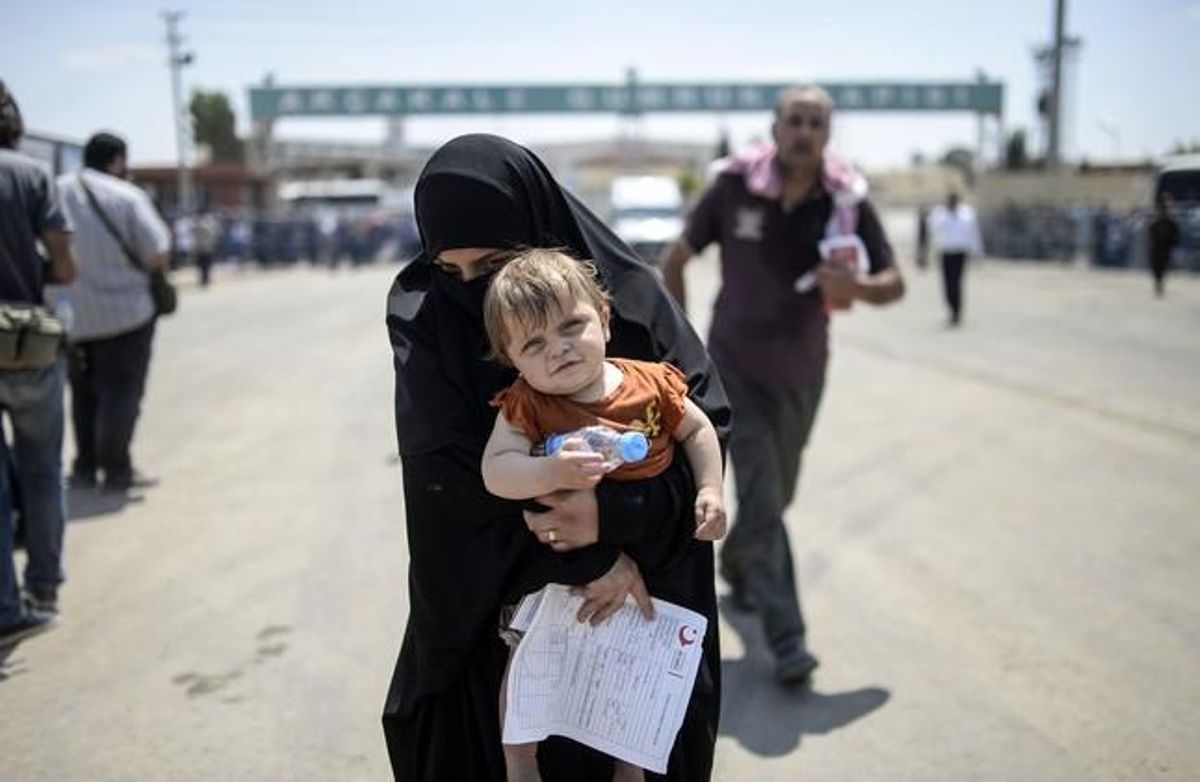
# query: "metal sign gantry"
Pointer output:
{"type": "Point", "coordinates": [268, 103]}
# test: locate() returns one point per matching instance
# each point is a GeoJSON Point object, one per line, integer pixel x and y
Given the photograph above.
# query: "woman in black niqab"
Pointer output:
{"type": "Point", "coordinates": [470, 551]}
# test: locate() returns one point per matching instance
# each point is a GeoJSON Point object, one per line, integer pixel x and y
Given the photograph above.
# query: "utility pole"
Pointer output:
{"type": "Point", "coordinates": [980, 119]}
{"type": "Point", "coordinates": [1053, 145]}
{"type": "Point", "coordinates": [177, 59]}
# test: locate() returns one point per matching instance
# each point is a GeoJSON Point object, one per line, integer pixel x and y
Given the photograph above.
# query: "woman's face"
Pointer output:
{"type": "Point", "coordinates": [470, 263]}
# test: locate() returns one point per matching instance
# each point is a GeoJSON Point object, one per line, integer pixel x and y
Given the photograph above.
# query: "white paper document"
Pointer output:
{"type": "Point", "coordinates": [621, 687]}
{"type": "Point", "coordinates": [848, 249]}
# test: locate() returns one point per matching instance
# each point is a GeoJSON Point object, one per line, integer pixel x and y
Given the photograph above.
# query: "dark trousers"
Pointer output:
{"type": "Point", "coordinates": [31, 467]}
{"type": "Point", "coordinates": [108, 379]}
{"type": "Point", "coordinates": [953, 266]}
{"type": "Point", "coordinates": [204, 262]}
{"type": "Point", "coordinates": [770, 429]}
{"type": "Point", "coordinates": [1158, 267]}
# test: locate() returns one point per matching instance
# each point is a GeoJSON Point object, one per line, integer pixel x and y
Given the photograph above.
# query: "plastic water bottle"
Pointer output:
{"type": "Point", "coordinates": [617, 448]}
{"type": "Point", "coordinates": [58, 301]}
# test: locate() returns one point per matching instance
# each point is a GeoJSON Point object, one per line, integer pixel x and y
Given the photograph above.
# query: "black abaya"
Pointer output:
{"type": "Point", "coordinates": [469, 550]}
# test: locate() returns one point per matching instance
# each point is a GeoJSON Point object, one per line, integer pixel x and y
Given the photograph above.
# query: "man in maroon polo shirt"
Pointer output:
{"type": "Point", "coordinates": [798, 240]}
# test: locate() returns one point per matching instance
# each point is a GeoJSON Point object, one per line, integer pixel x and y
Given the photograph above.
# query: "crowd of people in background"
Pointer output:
{"type": "Point", "coordinates": [1095, 233]}
{"type": "Point", "coordinates": [288, 235]}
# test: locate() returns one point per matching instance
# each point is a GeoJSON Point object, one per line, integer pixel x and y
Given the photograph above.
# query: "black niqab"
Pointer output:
{"type": "Point", "coordinates": [484, 191]}
{"type": "Point", "coordinates": [511, 199]}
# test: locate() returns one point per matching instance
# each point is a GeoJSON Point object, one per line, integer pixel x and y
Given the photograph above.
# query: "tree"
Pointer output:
{"type": "Point", "coordinates": [1182, 148]}
{"type": "Point", "coordinates": [689, 183]}
{"type": "Point", "coordinates": [213, 124]}
{"type": "Point", "coordinates": [963, 159]}
{"type": "Point", "coordinates": [1015, 155]}
{"type": "Point", "coordinates": [724, 148]}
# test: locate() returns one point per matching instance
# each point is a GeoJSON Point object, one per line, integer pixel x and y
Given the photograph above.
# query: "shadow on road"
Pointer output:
{"type": "Point", "coordinates": [86, 504]}
{"type": "Point", "coordinates": [9, 670]}
{"type": "Point", "coordinates": [82, 505]}
{"type": "Point", "coordinates": [768, 719]}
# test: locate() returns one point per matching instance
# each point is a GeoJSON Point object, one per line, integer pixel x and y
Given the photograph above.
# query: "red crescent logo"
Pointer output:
{"type": "Point", "coordinates": [687, 635]}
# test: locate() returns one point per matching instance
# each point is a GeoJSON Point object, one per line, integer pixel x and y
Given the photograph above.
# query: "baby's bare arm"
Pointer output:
{"type": "Point", "coordinates": [699, 440]}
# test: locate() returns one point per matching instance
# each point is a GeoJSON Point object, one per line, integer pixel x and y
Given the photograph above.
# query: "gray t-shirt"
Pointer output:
{"type": "Point", "coordinates": [29, 205]}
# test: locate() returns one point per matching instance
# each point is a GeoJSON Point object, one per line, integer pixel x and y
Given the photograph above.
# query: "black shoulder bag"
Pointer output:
{"type": "Point", "coordinates": [166, 300]}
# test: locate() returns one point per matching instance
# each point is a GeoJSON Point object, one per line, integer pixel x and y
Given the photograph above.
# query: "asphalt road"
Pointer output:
{"type": "Point", "coordinates": [996, 531]}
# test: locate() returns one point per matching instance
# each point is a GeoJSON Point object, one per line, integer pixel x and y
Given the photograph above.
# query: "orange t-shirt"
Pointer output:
{"type": "Point", "coordinates": [649, 400]}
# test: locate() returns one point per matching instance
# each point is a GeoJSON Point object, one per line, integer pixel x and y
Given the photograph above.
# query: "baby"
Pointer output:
{"type": "Point", "coordinates": [548, 317]}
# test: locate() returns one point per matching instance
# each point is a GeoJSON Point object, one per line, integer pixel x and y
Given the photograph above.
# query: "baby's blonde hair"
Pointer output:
{"type": "Point", "coordinates": [531, 288]}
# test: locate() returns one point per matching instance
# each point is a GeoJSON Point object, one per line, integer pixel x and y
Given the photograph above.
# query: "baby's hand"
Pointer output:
{"type": "Point", "coordinates": [710, 515]}
{"type": "Point", "coordinates": [577, 468]}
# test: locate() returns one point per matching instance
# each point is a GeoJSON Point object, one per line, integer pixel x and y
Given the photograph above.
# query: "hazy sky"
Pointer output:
{"type": "Point", "coordinates": [79, 67]}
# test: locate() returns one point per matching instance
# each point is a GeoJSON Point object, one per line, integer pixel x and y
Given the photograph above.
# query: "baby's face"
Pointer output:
{"type": "Point", "coordinates": [565, 356]}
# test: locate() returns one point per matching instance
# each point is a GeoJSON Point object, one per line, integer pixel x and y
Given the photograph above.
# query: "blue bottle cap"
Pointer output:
{"type": "Point", "coordinates": [553, 443]}
{"type": "Point", "coordinates": [633, 446]}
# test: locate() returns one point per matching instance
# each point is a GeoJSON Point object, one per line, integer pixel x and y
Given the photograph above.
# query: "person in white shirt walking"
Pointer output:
{"type": "Point", "coordinates": [116, 226]}
{"type": "Point", "coordinates": [956, 237]}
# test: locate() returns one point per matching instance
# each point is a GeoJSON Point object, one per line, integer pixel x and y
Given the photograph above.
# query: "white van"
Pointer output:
{"type": "Point", "coordinates": [351, 194]}
{"type": "Point", "coordinates": [647, 213]}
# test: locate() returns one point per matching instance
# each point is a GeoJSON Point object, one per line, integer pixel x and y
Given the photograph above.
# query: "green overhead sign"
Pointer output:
{"type": "Point", "coordinates": [980, 97]}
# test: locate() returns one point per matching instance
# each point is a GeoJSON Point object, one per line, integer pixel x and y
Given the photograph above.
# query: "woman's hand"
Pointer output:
{"type": "Point", "coordinates": [602, 597]}
{"type": "Point", "coordinates": [572, 522]}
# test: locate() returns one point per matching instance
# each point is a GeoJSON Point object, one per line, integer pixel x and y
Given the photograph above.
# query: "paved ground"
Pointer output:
{"type": "Point", "coordinates": [996, 531]}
